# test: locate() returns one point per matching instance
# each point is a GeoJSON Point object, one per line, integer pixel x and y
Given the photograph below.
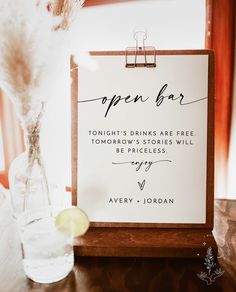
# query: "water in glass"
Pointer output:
{"type": "Point", "coordinates": [47, 252]}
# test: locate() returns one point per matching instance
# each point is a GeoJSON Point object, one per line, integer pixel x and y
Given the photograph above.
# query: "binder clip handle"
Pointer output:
{"type": "Point", "coordinates": [146, 53]}
{"type": "Point", "coordinates": [140, 35]}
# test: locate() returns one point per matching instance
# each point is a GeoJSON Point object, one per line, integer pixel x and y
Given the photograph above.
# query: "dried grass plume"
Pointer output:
{"type": "Point", "coordinates": [31, 48]}
{"type": "Point", "coordinates": [67, 9]}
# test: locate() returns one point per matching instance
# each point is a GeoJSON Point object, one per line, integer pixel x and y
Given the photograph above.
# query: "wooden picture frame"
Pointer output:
{"type": "Point", "coordinates": [152, 232]}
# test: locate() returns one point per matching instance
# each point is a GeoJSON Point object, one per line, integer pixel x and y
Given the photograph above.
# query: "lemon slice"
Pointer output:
{"type": "Point", "coordinates": [73, 221]}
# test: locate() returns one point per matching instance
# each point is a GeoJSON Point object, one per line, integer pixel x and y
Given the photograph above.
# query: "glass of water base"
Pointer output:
{"type": "Point", "coordinates": [47, 252]}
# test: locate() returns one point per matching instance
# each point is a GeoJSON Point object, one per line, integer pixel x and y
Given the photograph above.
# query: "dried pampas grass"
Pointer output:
{"type": "Point", "coordinates": [32, 54]}
{"type": "Point", "coordinates": [32, 45]}
{"type": "Point", "coordinates": [31, 51]}
{"type": "Point", "coordinates": [66, 9]}
{"type": "Point", "coordinates": [31, 48]}
{"type": "Point", "coordinates": [25, 33]}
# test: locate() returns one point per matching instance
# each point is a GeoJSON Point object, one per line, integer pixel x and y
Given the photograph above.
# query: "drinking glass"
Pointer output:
{"type": "Point", "coordinates": [47, 252]}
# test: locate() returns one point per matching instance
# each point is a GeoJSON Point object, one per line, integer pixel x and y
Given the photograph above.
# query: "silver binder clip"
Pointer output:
{"type": "Point", "coordinates": [140, 55]}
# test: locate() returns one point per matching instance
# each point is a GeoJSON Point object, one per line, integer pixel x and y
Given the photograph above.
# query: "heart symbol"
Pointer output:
{"type": "Point", "coordinates": [141, 185]}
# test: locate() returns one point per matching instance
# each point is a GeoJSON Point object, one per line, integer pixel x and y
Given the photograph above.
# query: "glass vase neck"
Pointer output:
{"type": "Point", "coordinates": [32, 139]}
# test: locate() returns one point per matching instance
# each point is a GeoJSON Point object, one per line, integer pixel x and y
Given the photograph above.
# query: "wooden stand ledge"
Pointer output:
{"type": "Point", "coordinates": [145, 242]}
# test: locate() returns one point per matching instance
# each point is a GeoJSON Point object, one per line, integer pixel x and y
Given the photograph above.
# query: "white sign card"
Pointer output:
{"type": "Point", "coordinates": [142, 140]}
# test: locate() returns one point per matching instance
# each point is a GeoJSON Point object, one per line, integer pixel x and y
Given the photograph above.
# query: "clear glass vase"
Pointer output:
{"type": "Point", "coordinates": [27, 190]}
{"type": "Point", "coordinates": [29, 186]}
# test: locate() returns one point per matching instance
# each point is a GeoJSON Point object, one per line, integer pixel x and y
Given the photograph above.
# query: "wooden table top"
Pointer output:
{"type": "Point", "coordinates": [125, 274]}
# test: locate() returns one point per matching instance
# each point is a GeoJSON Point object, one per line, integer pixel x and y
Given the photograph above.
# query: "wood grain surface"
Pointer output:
{"type": "Point", "coordinates": [145, 242]}
{"type": "Point", "coordinates": [97, 274]}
